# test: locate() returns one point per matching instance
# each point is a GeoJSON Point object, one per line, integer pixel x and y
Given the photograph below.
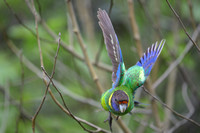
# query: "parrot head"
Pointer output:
{"type": "Point", "coordinates": [120, 101]}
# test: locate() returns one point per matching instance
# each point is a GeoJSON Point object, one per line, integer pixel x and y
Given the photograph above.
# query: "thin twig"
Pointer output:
{"type": "Point", "coordinates": [189, 105]}
{"type": "Point", "coordinates": [142, 127]}
{"type": "Point", "coordinates": [183, 26]}
{"type": "Point", "coordinates": [145, 124]}
{"type": "Point", "coordinates": [39, 7]}
{"type": "Point", "coordinates": [191, 14]}
{"type": "Point", "coordinates": [87, 60]}
{"type": "Point", "coordinates": [47, 88]}
{"type": "Point", "coordinates": [21, 93]}
{"type": "Point", "coordinates": [81, 99]}
{"type": "Point", "coordinates": [38, 109]}
{"type": "Point", "coordinates": [62, 87]}
{"type": "Point", "coordinates": [193, 87]}
{"type": "Point", "coordinates": [140, 53]}
{"type": "Point", "coordinates": [97, 57]}
{"type": "Point", "coordinates": [98, 129]}
{"type": "Point", "coordinates": [18, 19]}
{"type": "Point", "coordinates": [5, 113]}
{"type": "Point", "coordinates": [24, 113]}
{"type": "Point", "coordinates": [70, 50]}
{"type": "Point", "coordinates": [110, 8]}
{"type": "Point", "coordinates": [136, 34]}
{"type": "Point", "coordinates": [154, 25]}
{"type": "Point", "coordinates": [68, 111]}
{"type": "Point", "coordinates": [169, 98]}
{"type": "Point", "coordinates": [37, 18]}
{"type": "Point", "coordinates": [54, 36]}
{"type": "Point", "coordinates": [25, 26]}
{"type": "Point", "coordinates": [122, 125]}
{"type": "Point", "coordinates": [83, 47]}
{"type": "Point", "coordinates": [173, 111]}
{"type": "Point", "coordinates": [178, 60]}
{"type": "Point", "coordinates": [171, 85]}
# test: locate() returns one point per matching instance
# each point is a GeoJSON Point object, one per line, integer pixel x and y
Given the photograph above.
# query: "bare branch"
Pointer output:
{"type": "Point", "coordinates": [123, 125]}
{"type": "Point", "coordinates": [110, 8]}
{"type": "Point", "coordinates": [82, 45]}
{"type": "Point", "coordinates": [191, 14]}
{"type": "Point", "coordinates": [18, 19]}
{"type": "Point", "coordinates": [136, 34]}
{"type": "Point", "coordinates": [183, 26]}
{"type": "Point", "coordinates": [21, 93]}
{"type": "Point", "coordinates": [189, 106]}
{"type": "Point", "coordinates": [24, 113]}
{"type": "Point", "coordinates": [98, 54]}
{"type": "Point", "coordinates": [64, 89]}
{"type": "Point", "coordinates": [169, 98]}
{"type": "Point", "coordinates": [178, 60]}
{"type": "Point", "coordinates": [173, 111]}
{"type": "Point", "coordinates": [47, 88]}
{"type": "Point", "coordinates": [171, 85]}
{"type": "Point", "coordinates": [45, 81]}
{"type": "Point", "coordinates": [87, 60]}
{"type": "Point", "coordinates": [5, 113]}
{"type": "Point", "coordinates": [66, 109]}
{"type": "Point", "coordinates": [142, 127]}
{"type": "Point", "coordinates": [37, 18]}
{"type": "Point", "coordinates": [38, 109]}
{"type": "Point", "coordinates": [145, 123]}
{"type": "Point", "coordinates": [54, 36]}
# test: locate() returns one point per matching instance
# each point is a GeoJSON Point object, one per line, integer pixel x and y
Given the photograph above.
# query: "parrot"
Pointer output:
{"type": "Point", "coordinates": [119, 99]}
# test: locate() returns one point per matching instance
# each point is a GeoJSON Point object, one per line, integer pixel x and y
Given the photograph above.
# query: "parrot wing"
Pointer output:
{"type": "Point", "coordinates": [149, 57]}
{"type": "Point", "coordinates": [112, 46]}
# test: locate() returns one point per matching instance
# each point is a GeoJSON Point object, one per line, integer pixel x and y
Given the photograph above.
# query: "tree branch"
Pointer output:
{"type": "Point", "coordinates": [183, 26]}
{"type": "Point", "coordinates": [178, 60]}
{"type": "Point", "coordinates": [82, 45]}
{"type": "Point", "coordinates": [173, 111]}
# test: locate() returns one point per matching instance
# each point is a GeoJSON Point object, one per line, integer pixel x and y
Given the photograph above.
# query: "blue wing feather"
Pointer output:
{"type": "Point", "coordinates": [112, 46]}
{"type": "Point", "coordinates": [150, 56]}
{"type": "Point", "coordinates": [115, 84]}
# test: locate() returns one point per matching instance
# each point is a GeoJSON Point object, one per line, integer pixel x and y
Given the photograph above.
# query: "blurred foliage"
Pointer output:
{"type": "Point", "coordinates": [74, 74]}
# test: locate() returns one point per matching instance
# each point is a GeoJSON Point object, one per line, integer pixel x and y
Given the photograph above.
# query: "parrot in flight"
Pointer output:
{"type": "Point", "coordinates": [119, 99]}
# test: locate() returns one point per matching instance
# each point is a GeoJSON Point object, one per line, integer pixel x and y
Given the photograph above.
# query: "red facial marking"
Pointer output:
{"type": "Point", "coordinates": [123, 102]}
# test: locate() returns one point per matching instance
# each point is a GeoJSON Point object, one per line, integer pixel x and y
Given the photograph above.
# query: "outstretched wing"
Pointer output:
{"type": "Point", "coordinates": [149, 58]}
{"type": "Point", "coordinates": [112, 46]}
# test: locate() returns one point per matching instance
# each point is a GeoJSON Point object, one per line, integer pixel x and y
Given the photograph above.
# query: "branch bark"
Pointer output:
{"type": "Point", "coordinates": [179, 59]}
{"type": "Point", "coordinates": [140, 53]}
{"type": "Point", "coordinates": [82, 45]}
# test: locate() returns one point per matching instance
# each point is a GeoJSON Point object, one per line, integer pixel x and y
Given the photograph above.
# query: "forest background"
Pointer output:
{"type": "Point", "coordinates": [61, 42]}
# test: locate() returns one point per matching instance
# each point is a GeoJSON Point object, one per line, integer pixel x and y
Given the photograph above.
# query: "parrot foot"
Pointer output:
{"type": "Point", "coordinates": [109, 119]}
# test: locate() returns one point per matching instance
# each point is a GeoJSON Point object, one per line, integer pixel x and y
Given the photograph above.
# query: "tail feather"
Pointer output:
{"type": "Point", "coordinates": [150, 56]}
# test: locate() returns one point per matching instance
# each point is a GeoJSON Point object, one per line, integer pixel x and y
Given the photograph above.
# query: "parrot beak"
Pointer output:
{"type": "Point", "coordinates": [122, 108]}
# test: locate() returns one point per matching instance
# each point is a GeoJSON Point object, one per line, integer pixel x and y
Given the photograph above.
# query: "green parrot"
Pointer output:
{"type": "Point", "coordinates": [119, 100]}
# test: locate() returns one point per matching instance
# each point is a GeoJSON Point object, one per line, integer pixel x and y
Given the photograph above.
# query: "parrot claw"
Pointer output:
{"type": "Point", "coordinates": [109, 119]}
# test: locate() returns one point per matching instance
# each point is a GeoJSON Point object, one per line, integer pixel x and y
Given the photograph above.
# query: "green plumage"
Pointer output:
{"type": "Point", "coordinates": [119, 100]}
{"type": "Point", "coordinates": [107, 106]}
{"type": "Point", "coordinates": [133, 78]}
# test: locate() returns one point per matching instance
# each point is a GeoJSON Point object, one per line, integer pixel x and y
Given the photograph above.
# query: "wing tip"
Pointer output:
{"type": "Point", "coordinates": [154, 50]}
